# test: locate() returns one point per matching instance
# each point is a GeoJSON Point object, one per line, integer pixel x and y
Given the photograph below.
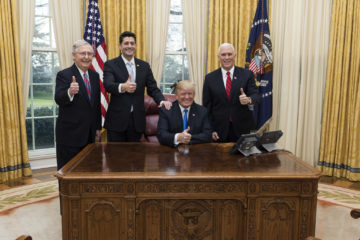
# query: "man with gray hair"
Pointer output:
{"type": "Point", "coordinates": [227, 92]}
{"type": "Point", "coordinates": [186, 122]}
{"type": "Point", "coordinates": [77, 92]}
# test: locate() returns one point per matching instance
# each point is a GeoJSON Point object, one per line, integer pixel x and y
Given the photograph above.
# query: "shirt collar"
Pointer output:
{"type": "Point", "coordinates": [182, 108]}
{"type": "Point", "coordinates": [132, 61]}
{"type": "Point", "coordinates": [223, 71]}
{"type": "Point", "coordinates": [82, 72]}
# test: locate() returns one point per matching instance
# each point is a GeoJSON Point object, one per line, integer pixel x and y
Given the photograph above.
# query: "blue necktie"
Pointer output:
{"type": "Point", "coordinates": [130, 71]}
{"type": "Point", "coordinates": [185, 123]}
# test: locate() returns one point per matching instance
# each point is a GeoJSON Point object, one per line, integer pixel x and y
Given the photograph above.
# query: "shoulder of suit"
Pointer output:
{"type": "Point", "coordinates": [141, 62]}
{"type": "Point", "coordinates": [174, 106]}
{"type": "Point", "coordinates": [113, 61]}
{"type": "Point", "coordinates": [198, 107]}
{"type": "Point", "coordinates": [92, 71]}
{"type": "Point", "coordinates": [66, 70]}
{"type": "Point", "coordinates": [213, 73]}
{"type": "Point", "coordinates": [70, 70]}
{"type": "Point", "coordinates": [242, 70]}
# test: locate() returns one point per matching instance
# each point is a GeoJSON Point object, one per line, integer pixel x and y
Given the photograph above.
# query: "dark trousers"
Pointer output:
{"type": "Point", "coordinates": [129, 135]}
{"type": "Point", "coordinates": [65, 153]}
{"type": "Point", "coordinates": [232, 136]}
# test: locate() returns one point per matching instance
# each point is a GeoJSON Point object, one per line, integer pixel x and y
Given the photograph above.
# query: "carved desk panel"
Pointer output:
{"type": "Point", "coordinates": [146, 191]}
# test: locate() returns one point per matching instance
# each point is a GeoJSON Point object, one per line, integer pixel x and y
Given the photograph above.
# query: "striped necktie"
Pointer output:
{"type": "Point", "coordinates": [87, 85]}
{"type": "Point", "coordinates": [228, 85]}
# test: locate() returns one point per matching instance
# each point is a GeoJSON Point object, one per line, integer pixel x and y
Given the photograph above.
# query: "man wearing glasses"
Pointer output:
{"type": "Point", "coordinates": [77, 92]}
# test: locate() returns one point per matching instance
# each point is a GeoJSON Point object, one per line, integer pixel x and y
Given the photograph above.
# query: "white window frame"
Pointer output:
{"type": "Point", "coordinates": [42, 158]}
{"type": "Point", "coordinates": [182, 53]}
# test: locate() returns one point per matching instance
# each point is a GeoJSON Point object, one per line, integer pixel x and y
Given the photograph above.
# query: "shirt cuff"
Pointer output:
{"type": "Point", "coordinates": [70, 97]}
{"type": "Point", "coordinates": [120, 88]}
{"type": "Point", "coordinates": [175, 141]}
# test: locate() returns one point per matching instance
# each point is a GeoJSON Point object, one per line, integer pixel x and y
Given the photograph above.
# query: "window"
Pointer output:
{"type": "Point", "coordinates": [175, 61]}
{"type": "Point", "coordinates": [41, 108]}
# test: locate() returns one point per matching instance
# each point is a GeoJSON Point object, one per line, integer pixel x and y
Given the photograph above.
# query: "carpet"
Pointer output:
{"type": "Point", "coordinates": [31, 209]}
{"type": "Point", "coordinates": [34, 210]}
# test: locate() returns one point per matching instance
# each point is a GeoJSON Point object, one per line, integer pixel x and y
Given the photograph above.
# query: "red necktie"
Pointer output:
{"type": "Point", "coordinates": [228, 85]}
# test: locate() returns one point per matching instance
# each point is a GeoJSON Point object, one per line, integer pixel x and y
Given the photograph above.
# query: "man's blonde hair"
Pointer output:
{"type": "Point", "coordinates": [185, 85]}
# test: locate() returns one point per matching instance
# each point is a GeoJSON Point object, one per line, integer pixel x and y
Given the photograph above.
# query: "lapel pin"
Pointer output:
{"type": "Point", "coordinates": [193, 114]}
{"type": "Point", "coordinates": [235, 77]}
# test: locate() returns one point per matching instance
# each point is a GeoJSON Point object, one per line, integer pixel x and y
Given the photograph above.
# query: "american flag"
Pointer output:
{"type": "Point", "coordinates": [93, 34]}
{"type": "Point", "coordinates": [256, 66]}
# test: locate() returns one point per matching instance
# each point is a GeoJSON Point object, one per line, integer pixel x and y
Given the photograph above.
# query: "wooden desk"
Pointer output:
{"type": "Point", "coordinates": [146, 191]}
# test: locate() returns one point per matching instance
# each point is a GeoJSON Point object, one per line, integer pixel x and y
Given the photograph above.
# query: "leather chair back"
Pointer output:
{"type": "Point", "coordinates": [152, 117]}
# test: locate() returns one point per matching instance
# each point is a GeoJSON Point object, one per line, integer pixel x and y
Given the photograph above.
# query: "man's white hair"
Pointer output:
{"type": "Point", "coordinates": [226, 45]}
{"type": "Point", "coordinates": [79, 43]}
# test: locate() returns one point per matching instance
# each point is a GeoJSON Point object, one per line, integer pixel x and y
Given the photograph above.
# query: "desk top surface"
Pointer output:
{"type": "Point", "coordinates": [154, 161]}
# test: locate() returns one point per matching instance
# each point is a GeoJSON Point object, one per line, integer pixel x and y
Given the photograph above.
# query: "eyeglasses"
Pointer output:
{"type": "Point", "coordinates": [84, 54]}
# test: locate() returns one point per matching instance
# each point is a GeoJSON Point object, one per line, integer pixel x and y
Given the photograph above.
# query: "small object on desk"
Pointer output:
{"type": "Point", "coordinates": [268, 140]}
{"type": "Point", "coordinates": [247, 152]}
{"type": "Point", "coordinates": [246, 145]}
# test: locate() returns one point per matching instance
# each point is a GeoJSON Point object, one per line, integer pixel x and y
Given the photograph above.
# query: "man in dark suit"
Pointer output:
{"type": "Point", "coordinates": [186, 122]}
{"type": "Point", "coordinates": [77, 93]}
{"type": "Point", "coordinates": [126, 77]}
{"type": "Point", "coordinates": [228, 93]}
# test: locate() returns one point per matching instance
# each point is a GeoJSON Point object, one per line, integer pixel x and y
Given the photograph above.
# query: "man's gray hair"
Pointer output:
{"type": "Point", "coordinates": [226, 45]}
{"type": "Point", "coordinates": [79, 43]}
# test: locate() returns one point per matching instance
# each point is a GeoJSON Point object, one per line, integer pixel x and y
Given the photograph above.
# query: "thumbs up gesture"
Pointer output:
{"type": "Point", "coordinates": [185, 136]}
{"type": "Point", "coordinates": [129, 86]}
{"type": "Point", "coordinates": [74, 87]}
{"type": "Point", "coordinates": [244, 100]}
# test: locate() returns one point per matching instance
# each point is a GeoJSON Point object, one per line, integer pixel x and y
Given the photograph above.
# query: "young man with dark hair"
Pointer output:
{"type": "Point", "coordinates": [125, 78]}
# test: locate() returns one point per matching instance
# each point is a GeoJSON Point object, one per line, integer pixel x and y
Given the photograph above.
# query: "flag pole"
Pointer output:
{"type": "Point", "coordinates": [84, 12]}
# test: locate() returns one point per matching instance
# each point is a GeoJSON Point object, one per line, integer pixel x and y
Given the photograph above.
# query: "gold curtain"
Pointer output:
{"type": "Point", "coordinates": [229, 21]}
{"type": "Point", "coordinates": [340, 138]}
{"type": "Point", "coordinates": [118, 16]}
{"type": "Point", "coordinates": [14, 160]}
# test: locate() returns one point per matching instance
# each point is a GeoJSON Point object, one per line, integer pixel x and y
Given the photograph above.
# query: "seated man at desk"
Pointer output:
{"type": "Point", "coordinates": [186, 122]}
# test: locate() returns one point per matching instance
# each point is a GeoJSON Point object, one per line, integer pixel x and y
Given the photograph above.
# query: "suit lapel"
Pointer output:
{"type": "Point", "coordinates": [178, 115]}
{"type": "Point", "coordinates": [138, 70]}
{"type": "Point", "coordinates": [237, 83]}
{"type": "Point", "coordinates": [93, 84]}
{"type": "Point", "coordinates": [192, 116]}
{"type": "Point", "coordinates": [219, 82]}
{"type": "Point", "coordinates": [123, 70]}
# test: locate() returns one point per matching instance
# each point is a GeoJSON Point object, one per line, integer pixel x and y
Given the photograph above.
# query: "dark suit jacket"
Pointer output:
{"type": "Point", "coordinates": [78, 120]}
{"type": "Point", "coordinates": [117, 116]}
{"type": "Point", "coordinates": [221, 109]}
{"type": "Point", "coordinates": [171, 122]}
